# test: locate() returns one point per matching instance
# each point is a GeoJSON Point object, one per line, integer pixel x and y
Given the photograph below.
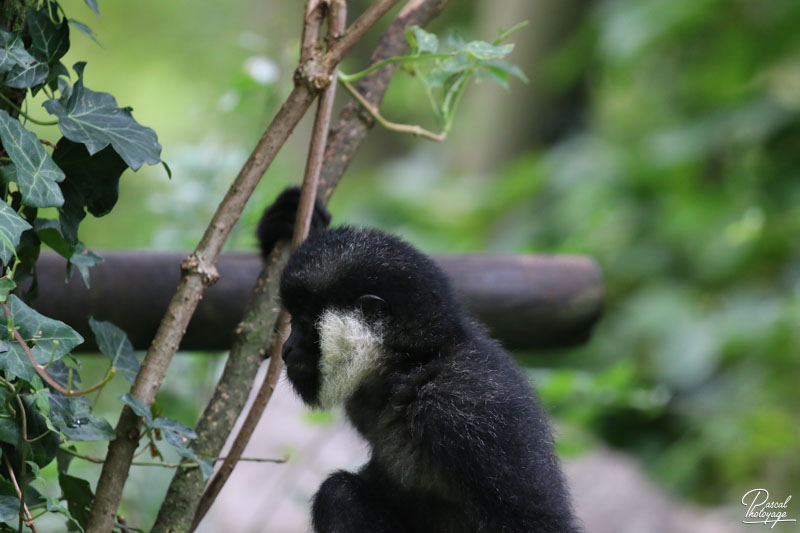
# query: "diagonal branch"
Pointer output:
{"type": "Point", "coordinates": [316, 152]}
{"type": "Point", "coordinates": [198, 272]}
{"type": "Point", "coordinates": [255, 331]}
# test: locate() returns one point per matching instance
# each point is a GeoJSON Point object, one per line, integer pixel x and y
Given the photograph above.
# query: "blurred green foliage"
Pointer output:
{"type": "Point", "coordinates": [684, 185]}
{"type": "Point", "coordinates": [682, 182]}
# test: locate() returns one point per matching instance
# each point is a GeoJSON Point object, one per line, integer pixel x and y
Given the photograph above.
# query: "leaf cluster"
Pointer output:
{"type": "Point", "coordinates": [42, 409]}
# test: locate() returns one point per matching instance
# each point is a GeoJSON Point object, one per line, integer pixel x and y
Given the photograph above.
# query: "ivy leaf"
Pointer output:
{"type": "Point", "coordinates": [11, 227]}
{"type": "Point", "coordinates": [83, 28]}
{"type": "Point", "coordinates": [54, 506]}
{"type": "Point", "coordinates": [49, 41]}
{"type": "Point", "coordinates": [15, 362]}
{"type": "Point", "coordinates": [78, 494]}
{"type": "Point", "coordinates": [53, 339]}
{"type": "Point", "coordinates": [94, 119]}
{"type": "Point", "coordinates": [27, 75]}
{"type": "Point", "coordinates": [181, 434]}
{"type": "Point", "coordinates": [94, 177]}
{"type": "Point", "coordinates": [72, 417]}
{"type": "Point", "coordinates": [6, 286]}
{"type": "Point", "coordinates": [484, 51]}
{"type": "Point", "coordinates": [9, 431]}
{"type": "Point", "coordinates": [71, 213]}
{"type": "Point", "coordinates": [41, 395]}
{"type": "Point", "coordinates": [93, 6]}
{"type": "Point", "coordinates": [83, 258]}
{"type": "Point", "coordinates": [9, 508]}
{"type": "Point", "coordinates": [12, 52]}
{"type": "Point", "coordinates": [139, 407]}
{"type": "Point", "coordinates": [59, 371]}
{"type": "Point", "coordinates": [421, 41]}
{"type": "Point", "coordinates": [37, 174]}
{"type": "Point", "coordinates": [35, 470]}
{"type": "Point", "coordinates": [49, 232]}
{"type": "Point", "coordinates": [114, 344]}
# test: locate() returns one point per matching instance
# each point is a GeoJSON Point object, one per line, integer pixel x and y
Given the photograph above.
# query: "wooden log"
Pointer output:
{"type": "Point", "coordinates": [527, 301]}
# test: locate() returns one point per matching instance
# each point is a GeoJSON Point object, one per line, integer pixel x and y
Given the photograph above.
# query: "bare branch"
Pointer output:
{"type": "Point", "coordinates": [256, 327]}
{"type": "Point", "coordinates": [413, 129]}
{"type": "Point", "coordinates": [26, 512]}
{"type": "Point", "coordinates": [197, 274]}
{"type": "Point", "coordinates": [356, 31]}
{"type": "Point", "coordinates": [302, 224]}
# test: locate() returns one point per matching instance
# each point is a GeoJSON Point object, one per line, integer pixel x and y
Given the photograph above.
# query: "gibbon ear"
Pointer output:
{"type": "Point", "coordinates": [372, 305]}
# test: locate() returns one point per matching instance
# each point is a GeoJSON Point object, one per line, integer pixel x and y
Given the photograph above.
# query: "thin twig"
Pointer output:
{"type": "Point", "coordinates": [199, 272]}
{"type": "Point", "coordinates": [27, 513]}
{"type": "Point", "coordinates": [99, 461]}
{"type": "Point", "coordinates": [27, 117]}
{"type": "Point", "coordinates": [389, 60]}
{"type": "Point", "coordinates": [356, 31]}
{"type": "Point", "coordinates": [316, 153]}
{"type": "Point", "coordinates": [413, 129]}
{"type": "Point", "coordinates": [47, 143]}
{"type": "Point", "coordinates": [43, 373]}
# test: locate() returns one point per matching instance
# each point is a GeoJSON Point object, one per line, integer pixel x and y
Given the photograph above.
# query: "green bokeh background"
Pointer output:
{"type": "Point", "coordinates": [661, 137]}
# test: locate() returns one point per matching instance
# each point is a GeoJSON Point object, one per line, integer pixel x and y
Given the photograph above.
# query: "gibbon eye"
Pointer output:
{"type": "Point", "coordinates": [370, 304]}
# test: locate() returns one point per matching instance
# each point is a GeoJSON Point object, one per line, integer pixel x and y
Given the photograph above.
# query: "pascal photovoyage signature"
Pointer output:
{"type": "Point", "coordinates": [762, 510]}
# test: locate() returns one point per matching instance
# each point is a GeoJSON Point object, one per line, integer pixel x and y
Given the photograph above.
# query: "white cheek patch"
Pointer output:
{"type": "Point", "coordinates": [351, 350]}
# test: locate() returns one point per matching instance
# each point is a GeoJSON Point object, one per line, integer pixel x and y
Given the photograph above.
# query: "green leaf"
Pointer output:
{"type": "Point", "coordinates": [64, 459]}
{"type": "Point", "coordinates": [11, 227]}
{"type": "Point", "coordinates": [94, 119]}
{"type": "Point", "coordinates": [93, 6]}
{"type": "Point", "coordinates": [54, 506]}
{"type": "Point", "coordinates": [179, 436]}
{"type": "Point", "coordinates": [59, 371]}
{"type": "Point", "coordinates": [35, 470]}
{"type": "Point", "coordinates": [15, 362]}
{"type": "Point", "coordinates": [6, 286]}
{"type": "Point", "coordinates": [49, 232]}
{"type": "Point", "coordinates": [171, 426]}
{"type": "Point", "coordinates": [501, 72]}
{"type": "Point", "coordinates": [41, 395]}
{"type": "Point", "coordinates": [12, 52]}
{"type": "Point", "coordinates": [43, 444]}
{"type": "Point", "coordinates": [83, 259]}
{"type": "Point", "coordinates": [484, 51]}
{"type": "Point", "coordinates": [83, 28]}
{"type": "Point", "coordinates": [37, 174]}
{"type": "Point", "coordinates": [114, 344]}
{"type": "Point", "coordinates": [28, 75]}
{"type": "Point", "coordinates": [9, 428]}
{"type": "Point", "coordinates": [9, 508]}
{"type": "Point", "coordinates": [23, 68]}
{"type": "Point", "coordinates": [49, 41]}
{"type": "Point", "coordinates": [71, 213]}
{"type": "Point", "coordinates": [52, 338]}
{"type": "Point", "coordinates": [72, 417]}
{"type": "Point", "coordinates": [422, 41]}
{"type": "Point", "coordinates": [79, 496]}
{"type": "Point", "coordinates": [94, 177]}
{"type": "Point", "coordinates": [139, 407]}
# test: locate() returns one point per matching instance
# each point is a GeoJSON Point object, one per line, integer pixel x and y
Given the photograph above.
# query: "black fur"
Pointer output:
{"type": "Point", "coordinates": [458, 442]}
{"type": "Point", "coordinates": [277, 222]}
